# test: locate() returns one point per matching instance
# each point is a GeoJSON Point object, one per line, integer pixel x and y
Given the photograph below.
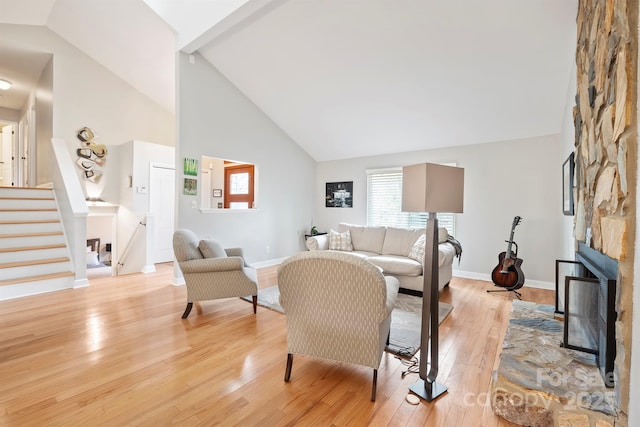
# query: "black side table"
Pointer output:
{"type": "Point", "coordinates": [306, 236]}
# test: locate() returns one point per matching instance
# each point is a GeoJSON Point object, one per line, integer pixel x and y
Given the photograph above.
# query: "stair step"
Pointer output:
{"type": "Point", "coordinates": [30, 227]}
{"type": "Point", "coordinates": [32, 248]}
{"type": "Point", "coordinates": [28, 210]}
{"type": "Point", "coordinates": [26, 198]}
{"type": "Point", "coordinates": [25, 192]}
{"type": "Point", "coordinates": [33, 262]}
{"type": "Point", "coordinates": [31, 221]}
{"type": "Point", "coordinates": [48, 233]}
{"type": "Point", "coordinates": [36, 215]}
{"type": "Point", "coordinates": [38, 278]}
{"type": "Point", "coordinates": [23, 268]}
{"type": "Point", "coordinates": [30, 254]}
{"type": "Point", "coordinates": [27, 204]}
{"type": "Point", "coordinates": [36, 239]}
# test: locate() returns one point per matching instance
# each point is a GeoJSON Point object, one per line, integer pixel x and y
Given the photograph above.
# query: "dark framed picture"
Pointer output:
{"type": "Point", "coordinates": [217, 192]}
{"type": "Point", "coordinates": [190, 187]}
{"type": "Point", "coordinates": [568, 168]}
{"type": "Point", "coordinates": [339, 194]}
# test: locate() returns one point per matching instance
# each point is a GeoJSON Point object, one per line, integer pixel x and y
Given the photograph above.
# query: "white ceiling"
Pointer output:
{"type": "Point", "coordinates": [344, 78]}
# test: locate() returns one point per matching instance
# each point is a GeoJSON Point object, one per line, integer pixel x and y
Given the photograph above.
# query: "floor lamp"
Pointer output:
{"type": "Point", "coordinates": [431, 188]}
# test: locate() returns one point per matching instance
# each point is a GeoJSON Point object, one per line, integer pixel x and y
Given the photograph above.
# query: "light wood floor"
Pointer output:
{"type": "Point", "coordinates": [117, 353]}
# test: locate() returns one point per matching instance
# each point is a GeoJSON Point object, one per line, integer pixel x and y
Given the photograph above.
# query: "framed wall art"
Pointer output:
{"type": "Point", "coordinates": [190, 166]}
{"type": "Point", "coordinates": [339, 194]}
{"type": "Point", "coordinates": [190, 186]}
{"type": "Point", "coordinates": [567, 185]}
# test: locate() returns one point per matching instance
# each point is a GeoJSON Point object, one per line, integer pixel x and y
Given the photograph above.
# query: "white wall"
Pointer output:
{"type": "Point", "coordinates": [219, 121]}
{"type": "Point", "coordinates": [43, 100]}
{"type": "Point", "coordinates": [568, 146]}
{"type": "Point", "coordinates": [502, 180]}
{"type": "Point", "coordinates": [87, 94]}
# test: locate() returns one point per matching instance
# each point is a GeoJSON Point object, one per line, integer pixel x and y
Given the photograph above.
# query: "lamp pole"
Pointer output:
{"type": "Point", "coordinates": [427, 388]}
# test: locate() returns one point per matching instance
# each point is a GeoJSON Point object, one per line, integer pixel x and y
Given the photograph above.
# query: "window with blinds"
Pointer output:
{"type": "Point", "coordinates": [384, 203]}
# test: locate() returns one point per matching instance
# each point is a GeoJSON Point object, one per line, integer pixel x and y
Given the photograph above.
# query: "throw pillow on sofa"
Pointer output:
{"type": "Point", "coordinates": [340, 241]}
{"type": "Point", "coordinates": [211, 249]}
{"type": "Point", "coordinates": [417, 251]}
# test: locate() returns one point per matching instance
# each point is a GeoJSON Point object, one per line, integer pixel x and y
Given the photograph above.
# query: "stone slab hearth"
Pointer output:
{"type": "Point", "coordinates": [540, 383]}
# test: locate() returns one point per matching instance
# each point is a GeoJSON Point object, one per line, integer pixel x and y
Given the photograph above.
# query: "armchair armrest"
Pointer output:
{"type": "Point", "coordinates": [207, 265]}
{"type": "Point", "coordinates": [231, 252]}
{"type": "Point", "coordinates": [392, 293]}
{"type": "Point", "coordinates": [318, 243]}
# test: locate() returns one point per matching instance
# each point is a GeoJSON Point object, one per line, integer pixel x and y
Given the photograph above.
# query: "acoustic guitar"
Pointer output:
{"type": "Point", "coordinates": [508, 274]}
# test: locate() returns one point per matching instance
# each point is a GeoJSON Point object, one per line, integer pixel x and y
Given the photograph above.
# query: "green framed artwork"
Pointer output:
{"type": "Point", "coordinates": [190, 166]}
{"type": "Point", "coordinates": [190, 186]}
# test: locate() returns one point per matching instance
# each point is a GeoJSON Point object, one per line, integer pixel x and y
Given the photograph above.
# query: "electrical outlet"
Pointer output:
{"type": "Point", "coordinates": [194, 204]}
{"type": "Point", "coordinates": [267, 249]}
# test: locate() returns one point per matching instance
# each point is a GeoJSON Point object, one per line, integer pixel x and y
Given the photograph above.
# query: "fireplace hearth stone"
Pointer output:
{"type": "Point", "coordinates": [540, 383]}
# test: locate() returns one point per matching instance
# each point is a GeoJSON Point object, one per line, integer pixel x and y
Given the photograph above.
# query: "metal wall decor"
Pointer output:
{"type": "Point", "coordinates": [92, 156]}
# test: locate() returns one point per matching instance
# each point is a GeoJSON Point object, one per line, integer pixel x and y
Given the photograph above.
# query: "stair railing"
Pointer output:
{"type": "Point", "coordinates": [122, 258]}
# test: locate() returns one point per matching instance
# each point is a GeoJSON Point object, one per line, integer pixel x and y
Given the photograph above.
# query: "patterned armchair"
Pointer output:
{"type": "Point", "coordinates": [338, 306]}
{"type": "Point", "coordinates": [222, 273]}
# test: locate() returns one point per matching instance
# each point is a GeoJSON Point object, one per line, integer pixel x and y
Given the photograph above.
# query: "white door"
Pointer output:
{"type": "Point", "coordinates": [6, 159]}
{"type": "Point", "coordinates": [161, 205]}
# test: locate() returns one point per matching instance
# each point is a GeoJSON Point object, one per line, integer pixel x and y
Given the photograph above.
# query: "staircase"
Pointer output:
{"type": "Point", "coordinates": [34, 256]}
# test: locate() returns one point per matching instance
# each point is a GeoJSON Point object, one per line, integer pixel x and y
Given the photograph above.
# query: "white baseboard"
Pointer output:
{"type": "Point", "coordinates": [148, 269]}
{"type": "Point", "coordinates": [268, 263]}
{"type": "Point", "coordinates": [80, 283]}
{"type": "Point", "coordinates": [538, 284]}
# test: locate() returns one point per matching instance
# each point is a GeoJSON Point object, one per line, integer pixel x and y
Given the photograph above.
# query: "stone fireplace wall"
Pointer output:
{"type": "Point", "coordinates": [606, 132]}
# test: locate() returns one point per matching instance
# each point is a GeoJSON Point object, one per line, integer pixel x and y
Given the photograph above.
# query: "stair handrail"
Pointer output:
{"type": "Point", "coordinates": [126, 249]}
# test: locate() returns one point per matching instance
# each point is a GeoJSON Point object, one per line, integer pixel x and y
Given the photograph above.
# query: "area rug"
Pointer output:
{"type": "Point", "coordinates": [404, 339]}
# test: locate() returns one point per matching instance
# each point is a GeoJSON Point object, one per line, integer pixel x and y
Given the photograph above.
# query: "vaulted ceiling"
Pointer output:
{"type": "Point", "coordinates": [342, 78]}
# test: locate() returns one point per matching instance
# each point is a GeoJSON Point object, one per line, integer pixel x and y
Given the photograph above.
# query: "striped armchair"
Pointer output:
{"type": "Point", "coordinates": [338, 306]}
{"type": "Point", "coordinates": [210, 278]}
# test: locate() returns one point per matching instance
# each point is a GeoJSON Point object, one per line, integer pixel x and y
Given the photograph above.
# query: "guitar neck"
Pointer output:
{"type": "Point", "coordinates": [513, 229]}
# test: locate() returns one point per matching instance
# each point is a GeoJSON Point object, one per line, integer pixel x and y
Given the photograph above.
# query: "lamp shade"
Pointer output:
{"type": "Point", "coordinates": [429, 187]}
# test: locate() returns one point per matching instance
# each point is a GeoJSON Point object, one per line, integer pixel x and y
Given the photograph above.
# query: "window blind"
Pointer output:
{"type": "Point", "coordinates": [384, 203]}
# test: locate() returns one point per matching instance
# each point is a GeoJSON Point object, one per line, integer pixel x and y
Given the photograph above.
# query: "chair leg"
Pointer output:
{"type": "Point", "coordinates": [375, 383]}
{"type": "Point", "coordinates": [287, 372]}
{"type": "Point", "coordinates": [187, 310]}
{"type": "Point", "coordinates": [255, 303]}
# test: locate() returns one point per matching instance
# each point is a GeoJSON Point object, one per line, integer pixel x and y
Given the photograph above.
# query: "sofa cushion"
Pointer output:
{"type": "Point", "coordinates": [340, 241]}
{"type": "Point", "coordinates": [211, 249]}
{"type": "Point", "coordinates": [394, 264]}
{"type": "Point", "coordinates": [369, 239]}
{"type": "Point", "coordinates": [399, 241]}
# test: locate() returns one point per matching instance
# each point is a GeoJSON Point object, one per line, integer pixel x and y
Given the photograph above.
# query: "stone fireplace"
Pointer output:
{"type": "Point", "coordinates": [606, 141]}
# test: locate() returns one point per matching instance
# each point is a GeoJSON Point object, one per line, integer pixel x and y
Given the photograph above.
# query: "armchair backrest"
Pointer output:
{"type": "Point", "coordinates": [185, 245]}
{"type": "Point", "coordinates": [336, 306]}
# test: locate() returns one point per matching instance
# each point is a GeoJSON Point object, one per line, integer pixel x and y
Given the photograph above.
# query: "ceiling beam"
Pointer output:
{"type": "Point", "coordinates": [239, 18]}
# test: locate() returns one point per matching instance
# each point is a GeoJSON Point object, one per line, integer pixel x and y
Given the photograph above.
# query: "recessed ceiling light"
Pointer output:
{"type": "Point", "coordinates": [4, 84]}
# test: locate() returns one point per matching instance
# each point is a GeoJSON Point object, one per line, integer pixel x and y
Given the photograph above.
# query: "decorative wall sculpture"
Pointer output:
{"type": "Point", "coordinates": [91, 156]}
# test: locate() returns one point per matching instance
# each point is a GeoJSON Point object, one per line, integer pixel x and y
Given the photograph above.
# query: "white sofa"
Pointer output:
{"type": "Point", "coordinates": [390, 248]}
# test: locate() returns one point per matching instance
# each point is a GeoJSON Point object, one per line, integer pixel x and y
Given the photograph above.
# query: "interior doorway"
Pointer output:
{"type": "Point", "coordinates": [8, 141]}
{"type": "Point", "coordinates": [162, 205]}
